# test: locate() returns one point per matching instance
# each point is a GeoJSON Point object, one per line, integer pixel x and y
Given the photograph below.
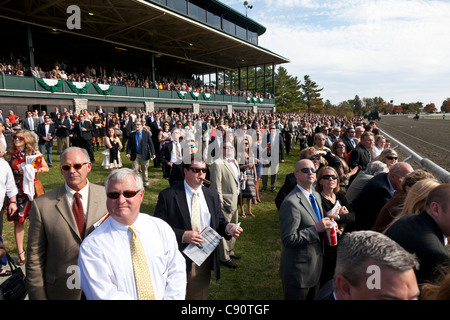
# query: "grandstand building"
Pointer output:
{"type": "Point", "coordinates": [181, 55]}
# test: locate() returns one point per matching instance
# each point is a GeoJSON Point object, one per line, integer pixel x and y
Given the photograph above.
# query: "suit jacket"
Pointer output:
{"type": "Point", "coordinates": [41, 132]}
{"type": "Point", "coordinates": [26, 124]}
{"type": "Point", "coordinates": [348, 145]}
{"type": "Point", "coordinates": [146, 145]}
{"type": "Point", "coordinates": [359, 157]}
{"type": "Point", "coordinates": [226, 184]}
{"type": "Point", "coordinates": [280, 144]}
{"type": "Point", "coordinates": [83, 135]}
{"type": "Point", "coordinates": [127, 128]}
{"type": "Point", "coordinates": [419, 234]}
{"type": "Point", "coordinates": [54, 242]}
{"type": "Point", "coordinates": [62, 131]}
{"type": "Point", "coordinates": [173, 208]}
{"type": "Point", "coordinates": [369, 202]}
{"type": "Point", "coordinates": [302, 253]}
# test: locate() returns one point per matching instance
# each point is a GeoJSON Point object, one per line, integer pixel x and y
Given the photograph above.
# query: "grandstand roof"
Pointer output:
{"type": "Point", "coordinates": [148, 26]}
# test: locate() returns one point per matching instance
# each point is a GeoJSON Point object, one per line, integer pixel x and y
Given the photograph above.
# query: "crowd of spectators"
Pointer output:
{"type": "Point", "coordinates": [113, 76]}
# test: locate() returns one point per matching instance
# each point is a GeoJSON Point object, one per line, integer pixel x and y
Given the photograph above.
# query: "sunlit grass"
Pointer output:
{"type": "Point", "coordinates": [259, 245]}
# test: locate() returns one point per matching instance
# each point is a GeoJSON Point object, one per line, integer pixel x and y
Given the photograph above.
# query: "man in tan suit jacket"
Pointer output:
{"type": "Point", "coordinates": [225, 181]}
{"type": "Point", "coordinates": [53, 236]}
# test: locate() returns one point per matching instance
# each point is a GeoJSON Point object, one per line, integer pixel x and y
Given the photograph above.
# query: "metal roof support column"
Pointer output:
{"type": "Point", "coordinates": [30, 45]}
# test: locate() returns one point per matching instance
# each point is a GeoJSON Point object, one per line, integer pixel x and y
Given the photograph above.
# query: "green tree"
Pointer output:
{"type": "Point", "coordinates": [288, 97]}
{"type": "Point", "coordinates": [311, 95]}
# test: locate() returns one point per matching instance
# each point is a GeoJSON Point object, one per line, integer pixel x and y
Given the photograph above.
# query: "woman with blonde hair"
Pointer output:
{"type": "Point", "coordinates": [416, 198]}
{"type": "Point", "coordinates": [23, 145]}
{"type": "Point", "coordinates": [388, 156]}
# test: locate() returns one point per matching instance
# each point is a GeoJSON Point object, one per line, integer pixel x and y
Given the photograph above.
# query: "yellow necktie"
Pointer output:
{"type": "Point", "coordinates": [140, 268]}
{"type": "Point", "coordinates": [195, 212]}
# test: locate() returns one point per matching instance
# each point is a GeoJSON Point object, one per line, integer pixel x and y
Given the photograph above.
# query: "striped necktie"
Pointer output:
{"type": "Point", "coordinates": [141, 271]}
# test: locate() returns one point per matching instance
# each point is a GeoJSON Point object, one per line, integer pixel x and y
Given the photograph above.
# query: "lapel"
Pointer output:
{"type": "Point", "coordinates": [231, 171]}
{"type": "Point", "coordinates": [94, 206]}
{"type": "Point", "coordinates": [304, 202]}
{"type": "Point", "coordinates": [181, 200]}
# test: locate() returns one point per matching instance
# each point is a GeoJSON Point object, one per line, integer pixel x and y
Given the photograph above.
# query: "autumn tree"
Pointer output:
{"type": "Point", "coordinates": [430, 108]}
{"type": "Point", "coordinates": [446, 105]}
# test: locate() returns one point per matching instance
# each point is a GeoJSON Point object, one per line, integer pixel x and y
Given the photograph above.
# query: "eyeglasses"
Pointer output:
{"type": "Point", "coordinates": [328, 176]}
{"type": "Point", "coordinates": [76, 166]}
{"type": "Point", "coordinates": [307, 170]}
{"type": "Point", "coordinates": [352, 132]}
{"type": "Point", "coordinates": [314, 158]}
{"type": "Point", "coordinates": [341, 146]}
{"type": "Point", "coordinates": [392, 158]}
{"type": "Point", "coordinates": [126, 194]}
{"type": "Point", "coordinates": [198, 170]}
{"type": "Point", "coordinates": [191, 146]}
{"type": "Point", "coordinates": [18, 138]}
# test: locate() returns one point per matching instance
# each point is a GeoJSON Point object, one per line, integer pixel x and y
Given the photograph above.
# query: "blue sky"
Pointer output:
{"type": "Point", "coordinates": [395, 49]}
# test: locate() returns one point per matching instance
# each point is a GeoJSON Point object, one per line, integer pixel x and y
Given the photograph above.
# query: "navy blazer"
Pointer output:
{"type": "Point", "coordinates": [41, 132]}
{"type": "Point", "coordinates": [146, 145]}
{"type": "Point", "coordinates": [173, 208]}
{"type": "Point", "coordinates": [369, 202]}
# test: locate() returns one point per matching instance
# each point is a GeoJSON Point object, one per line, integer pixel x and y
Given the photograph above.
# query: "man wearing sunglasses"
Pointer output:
{"type": "Point", "coordinates": [175, 206]}
{"type": "Point", "coordinates": [106, 275]}
{"type": "Point", "coordinates": [302, 226]}
{"type": "Point", "coordinates": [139, 147]}
{"type": "Point", "coordinates": [59, 220]}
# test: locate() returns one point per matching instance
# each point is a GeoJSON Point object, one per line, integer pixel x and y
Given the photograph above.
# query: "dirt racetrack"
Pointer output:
{"type": "Point", "coordinates": [429, 138]}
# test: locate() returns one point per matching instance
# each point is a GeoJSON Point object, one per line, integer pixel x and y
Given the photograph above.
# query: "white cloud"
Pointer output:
{"type": "Point", "coordinates": [396, 49]}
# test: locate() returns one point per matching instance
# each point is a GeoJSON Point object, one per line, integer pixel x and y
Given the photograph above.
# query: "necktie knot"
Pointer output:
{"type": "Point", "coordinates": [77, 195]}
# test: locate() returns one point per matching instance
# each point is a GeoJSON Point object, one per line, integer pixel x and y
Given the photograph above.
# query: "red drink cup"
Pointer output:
{"type": "Point", "coordinates": [332, 235]}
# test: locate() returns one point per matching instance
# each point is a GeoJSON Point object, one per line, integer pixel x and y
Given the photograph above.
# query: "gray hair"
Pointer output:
{"type": "Point", "coordinates": [357, 250]}
{"type": "Point", "coordinates": [70, 149]}
{"type": "Point", "coordinates": [375, 167]}
{"type": "Point", "coordinates": [122, 175]}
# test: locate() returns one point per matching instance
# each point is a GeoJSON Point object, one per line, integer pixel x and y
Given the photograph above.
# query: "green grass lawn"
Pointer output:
{"type": "Point", "coordinates": [259, 245]}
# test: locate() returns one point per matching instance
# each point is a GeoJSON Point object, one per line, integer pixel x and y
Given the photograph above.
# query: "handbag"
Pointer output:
{"type": "Point", "coordinates": [14, 287]}
{"type": "Point", "coordinates": [38, 188]}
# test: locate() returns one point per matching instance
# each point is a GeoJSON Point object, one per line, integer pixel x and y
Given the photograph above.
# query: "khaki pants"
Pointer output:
{"type": "Point", "coordinates": [144, 166]}
{"type": "Point", "coordinates": [198, 281]}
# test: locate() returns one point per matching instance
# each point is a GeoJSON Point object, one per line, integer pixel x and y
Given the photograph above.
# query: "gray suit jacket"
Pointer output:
{"type": "Point", "coordinates": [302, 253]}
{"type": "Point", "coordinates": [54, 242]}
{"type": "Point", "coordinates": [226, 184]}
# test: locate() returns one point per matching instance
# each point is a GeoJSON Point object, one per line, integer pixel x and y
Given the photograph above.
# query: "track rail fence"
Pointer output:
{"type": "Point", "coordinates": [441, 174]}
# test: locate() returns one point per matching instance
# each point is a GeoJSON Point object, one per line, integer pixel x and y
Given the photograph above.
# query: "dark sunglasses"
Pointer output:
{"type": "Point", "coordinates": [314, 158]}
{"type": "Point", "coordinates": [392, 158]}
{"type": "Point", "coordinates": [306, 170]}
{"type": "Point", "coordinates": [328, 176]}
{"type": "Point", "coordinates": [18, 138]}
{"type": "Point", "coordinates": [197, 170]}
{"type": "Point", "coordinates": [126, 194]}
{"type": "Point", "coordinates": [341, 146]}
{"type": "Point", "coordinates": [76, 166]}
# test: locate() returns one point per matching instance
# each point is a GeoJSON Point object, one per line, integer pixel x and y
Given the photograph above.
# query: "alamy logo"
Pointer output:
{"type": "Point", "coordinates": [374, 280]}
{"type": "Point", "coordinates": [74, 21]}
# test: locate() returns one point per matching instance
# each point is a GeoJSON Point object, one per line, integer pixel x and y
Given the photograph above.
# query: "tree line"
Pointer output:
{"type": "Point", "coordinates": [294, 95]}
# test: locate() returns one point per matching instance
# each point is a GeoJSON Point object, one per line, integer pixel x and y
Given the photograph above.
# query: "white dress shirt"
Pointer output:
{"type": "Point", "coordinates": [84, 197]}
{"type": "Point", "coordinates": [7, 183]}
{"type": "Point", "coordinates": [205, 216]}
{"type": "Point", "coordinates": [106, 269]}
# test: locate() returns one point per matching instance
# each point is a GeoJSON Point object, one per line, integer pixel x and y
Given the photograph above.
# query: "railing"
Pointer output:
{"type": "Point", "coordinates": [29, 86]}
{"type": "Point", "coordinates": [441, 174]}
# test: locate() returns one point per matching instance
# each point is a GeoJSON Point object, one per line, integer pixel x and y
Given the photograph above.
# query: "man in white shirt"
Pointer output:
{"type": "Point", "coordinates": [105, 260]}
{"type": "Point", "coordinates": [7, 188]}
